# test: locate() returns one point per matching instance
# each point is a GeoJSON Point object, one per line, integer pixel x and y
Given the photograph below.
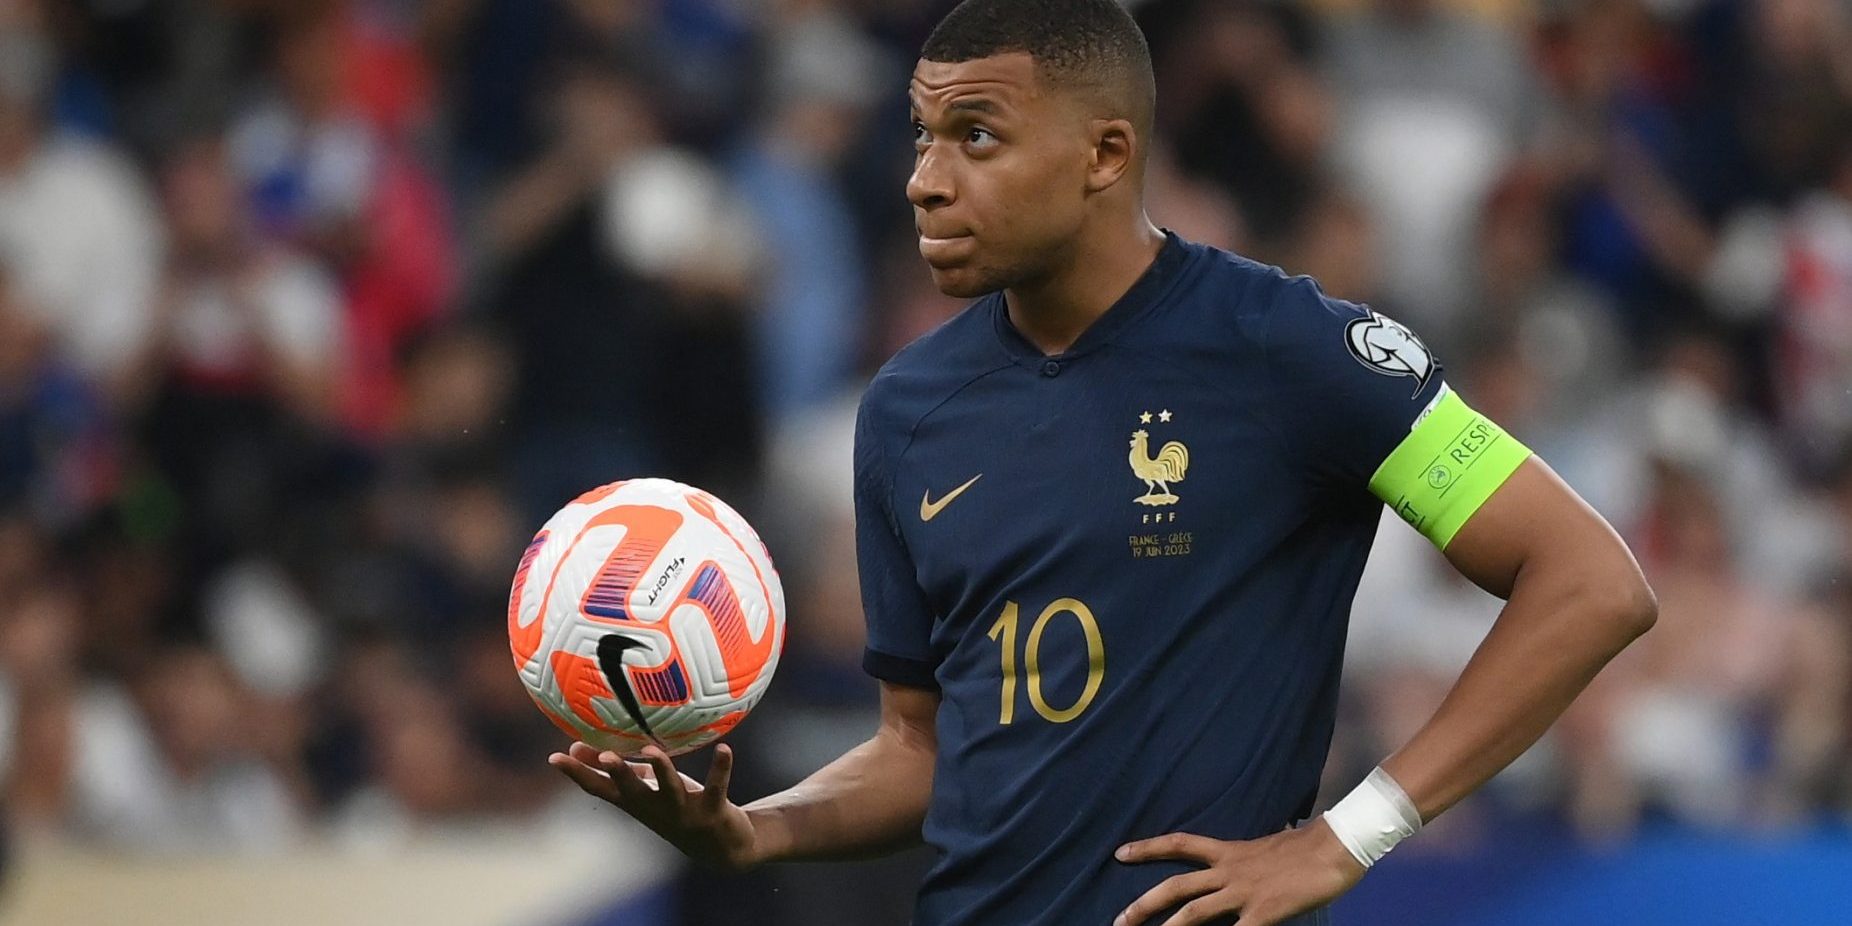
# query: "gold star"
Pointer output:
{"type": "Point", "coordinates": [1145, 418]}
{"type": "Point", "coordinates": [1164, 416]}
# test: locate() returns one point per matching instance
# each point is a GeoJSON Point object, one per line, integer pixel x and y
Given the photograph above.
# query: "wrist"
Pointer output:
{"type": "Point", "coordinates": [770, 836]}
{"type": "Point", "coordinates": [1331, 849]}
{"type": "Point", "coordinates": [1372, 819]}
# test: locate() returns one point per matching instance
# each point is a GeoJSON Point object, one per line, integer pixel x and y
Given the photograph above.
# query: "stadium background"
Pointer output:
{"type": "Point", "coordinates": [311, 311]}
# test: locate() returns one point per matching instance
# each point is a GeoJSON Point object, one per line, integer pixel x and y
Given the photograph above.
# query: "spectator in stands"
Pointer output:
{"type": "Point", "coordinates": [241, 316]}
{"type": "Point", "coordinates": [1812, 360]}
{"type": "Point", "coordinates": [78, 230]}
{"type": "Point", "coordinates": [326, 158]}
{"type": "Point", "coordinates": [56, 452]}
{"type": "Point", "coordinates": [1243, 106]}
{"type": "Point", "coordinates": [1433, 102]}
{"type": "Point", "coordinates": [1672, 729]}
{"type": "Point", "coordinates": [421, 774]}
{"type": "Point", "coordinates": [808, 328]}
{"type": "Point", "coordinates": [1812, 739]}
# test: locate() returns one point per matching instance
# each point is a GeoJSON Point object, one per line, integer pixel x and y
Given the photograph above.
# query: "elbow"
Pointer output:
{"type": "Point", "coordinates": [1612, 604]}
{"type": "Point", "coordinates": [1613, 593]}
{"type": "Point", "coordinates": [1644, 611]}
{"type": "Point", "coordinates": [1629, 605]}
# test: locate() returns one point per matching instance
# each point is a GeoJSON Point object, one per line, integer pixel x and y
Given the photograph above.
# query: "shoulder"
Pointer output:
{"type": "Point", "coordinates": [1308, 333]}
{"type": "Point", "coordinates": [1258, 296]}
{"type": "Point", "coordinates": [1246, 322]}
{"type": "Point", "coordinates": [1277, 311]}
{"type": "Point", "coordinates": [1227, 303]}
{"type": "Point", "coordinates": [934, 368]}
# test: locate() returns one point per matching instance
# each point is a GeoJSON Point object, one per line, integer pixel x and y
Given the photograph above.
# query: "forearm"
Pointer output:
{"type": "Point", "coordinates": [869, 802]}
{"type": "Point", "coordinates": [1557, 630]}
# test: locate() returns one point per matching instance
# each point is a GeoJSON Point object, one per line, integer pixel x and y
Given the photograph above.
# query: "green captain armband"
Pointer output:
{"type": "Point", "coordinates": [1452, 461]}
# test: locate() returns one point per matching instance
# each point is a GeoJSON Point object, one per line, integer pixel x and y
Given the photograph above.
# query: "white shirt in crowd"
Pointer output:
{"type": "Point", "coordinates": [81, 238]}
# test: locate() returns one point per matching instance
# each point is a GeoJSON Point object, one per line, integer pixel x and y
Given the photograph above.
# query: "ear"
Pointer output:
{"type": "Point", "coordinates": [1115, 148]}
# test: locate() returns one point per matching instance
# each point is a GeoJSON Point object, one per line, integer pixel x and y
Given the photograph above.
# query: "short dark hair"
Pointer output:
{"type": "Point", "coordinates": [1087, 43]}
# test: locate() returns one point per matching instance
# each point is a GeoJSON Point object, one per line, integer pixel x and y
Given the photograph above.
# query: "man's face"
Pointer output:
{"type": "Point", "coordinates": [999, 172]}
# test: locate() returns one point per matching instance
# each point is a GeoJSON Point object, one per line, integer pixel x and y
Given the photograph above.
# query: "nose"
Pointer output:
{"type": "Point", "coordinates": [930, 187]}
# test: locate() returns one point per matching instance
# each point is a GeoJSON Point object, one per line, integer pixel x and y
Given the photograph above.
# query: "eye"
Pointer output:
{"type": "Point", "coordinates": [982, 139]}
{"type": "Point", "coordinates": [921, 137]}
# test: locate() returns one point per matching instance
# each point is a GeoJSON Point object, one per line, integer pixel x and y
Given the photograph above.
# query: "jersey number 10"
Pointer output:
{"type": "Point", "coordinates": [1004, 631]}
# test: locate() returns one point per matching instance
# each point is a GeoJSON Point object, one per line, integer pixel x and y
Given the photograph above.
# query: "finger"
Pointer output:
{"type": "Point", "coordinates": [1203, 909]}
{"type": "Point", "coordinates": [1200, 849]}
{"type": "Point", "coordinates": [1170, 893]}
{"type": "Point", "coordinates": [642, 770]}
{"type": "Point", "coordinates": [645, 772]}
{"type": "Point", "coordinates": [668, 780]}
{"type": "Point", "coordinates": [589, 780]}
{"type": "Point", "coordinates": [584, 752]}
{"type": "Point", "coordinates": [609, 760]}
{"type": "Point", "coordinates": [719, 775]}
{"type": "Point", "coordinates": [1252, 917]}
{"type": "Point", "coordinates": [624, 774]}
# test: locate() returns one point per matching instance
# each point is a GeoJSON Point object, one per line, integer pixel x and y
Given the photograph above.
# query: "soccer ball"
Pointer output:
{"type": "Point", "coordinates": [646, 611]}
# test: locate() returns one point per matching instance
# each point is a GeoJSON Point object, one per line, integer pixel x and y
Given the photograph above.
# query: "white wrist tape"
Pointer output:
{"type": "Point", "coordinates": [1370, 820]}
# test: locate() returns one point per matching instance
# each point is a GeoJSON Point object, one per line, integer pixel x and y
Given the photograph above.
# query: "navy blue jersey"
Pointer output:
{"type": "Point", "coordinates": [1128, 569]}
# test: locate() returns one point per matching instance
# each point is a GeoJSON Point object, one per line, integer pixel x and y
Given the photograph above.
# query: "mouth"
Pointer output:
{"type": "Point", "coordinates": [943, 252]}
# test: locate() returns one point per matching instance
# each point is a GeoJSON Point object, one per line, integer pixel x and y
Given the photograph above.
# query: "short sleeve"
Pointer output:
{"type": "Point", "coordinates": [898, 616]}
{"type": "Point", "coordinates": [1348, 384]}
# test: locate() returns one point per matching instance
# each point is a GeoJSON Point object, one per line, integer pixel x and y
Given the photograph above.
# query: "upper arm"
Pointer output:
{"type": "Point", "coordinates": [1535, 523]}
{"type": "Point", "coordinates": [898, 617]}
{"type": "Point", "coordinates": [1345, 383]}
{"type": "Point", "coordinates": [1361, 401]}
{"type": "Point", "coordinates": [910, 716]}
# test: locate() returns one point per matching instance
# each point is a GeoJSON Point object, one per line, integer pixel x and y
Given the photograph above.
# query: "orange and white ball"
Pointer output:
{"type": "Point", "coordinates": [646, 611]}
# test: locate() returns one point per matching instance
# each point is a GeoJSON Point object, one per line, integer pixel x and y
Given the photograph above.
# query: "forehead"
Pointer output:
{"type": "Point", "coordinates": [1009, 78]}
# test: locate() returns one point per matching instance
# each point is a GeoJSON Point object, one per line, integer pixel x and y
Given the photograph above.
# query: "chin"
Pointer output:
{"type": "Point", "coordinates": [965, 282]}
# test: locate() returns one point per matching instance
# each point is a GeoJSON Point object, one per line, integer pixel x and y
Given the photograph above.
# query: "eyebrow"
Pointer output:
{"type": "Point", "coordinates": [978, 105]}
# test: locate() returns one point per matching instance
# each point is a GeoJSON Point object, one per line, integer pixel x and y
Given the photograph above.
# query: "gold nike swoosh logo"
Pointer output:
{"type": "Point", "coordinates": [930, 509]}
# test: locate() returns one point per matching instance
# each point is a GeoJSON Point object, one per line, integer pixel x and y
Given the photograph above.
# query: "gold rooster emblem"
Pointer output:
{"type": "Point", "coordinates": [1170, 465]}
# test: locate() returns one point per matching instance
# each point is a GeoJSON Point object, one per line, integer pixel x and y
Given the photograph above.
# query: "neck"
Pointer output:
{"type": "Point", "coordinates": [1053, 311]}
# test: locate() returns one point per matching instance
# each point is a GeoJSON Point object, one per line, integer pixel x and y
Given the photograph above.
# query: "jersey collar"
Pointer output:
{"type": "Point", "coordinates": [1150, 288]}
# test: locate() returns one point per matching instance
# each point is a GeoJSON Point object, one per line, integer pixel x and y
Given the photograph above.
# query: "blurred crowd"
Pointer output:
{"type": "Point", "coordinates": [312, 310]}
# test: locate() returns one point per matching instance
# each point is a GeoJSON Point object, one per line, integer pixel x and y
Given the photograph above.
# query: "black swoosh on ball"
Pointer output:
{"type": "Point", "coordinates": [611, 649]}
